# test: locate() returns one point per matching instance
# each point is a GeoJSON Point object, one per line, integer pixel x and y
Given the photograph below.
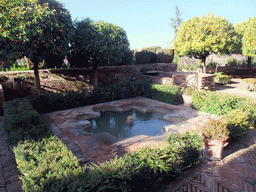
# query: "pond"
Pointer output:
{"type": "Point", "coordinates": [115, 123]}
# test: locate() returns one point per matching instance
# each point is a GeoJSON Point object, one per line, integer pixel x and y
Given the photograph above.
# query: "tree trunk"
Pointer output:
{"type": "Point", "coordinates": [38, 87]}
{"type": "Point", "coordinates": [95, 78]}
{"type": "Point", "coordinates": [249, 63]}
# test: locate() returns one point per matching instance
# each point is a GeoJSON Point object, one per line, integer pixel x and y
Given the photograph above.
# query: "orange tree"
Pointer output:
{"type": "Point", "coordinates": [35, 29]}
{"type": "Point", "coordinates": [101, 42]}
{"type": "Point", "coordinates": [199, 37]}
{"type": "Point", "coordinates": [247, 35]}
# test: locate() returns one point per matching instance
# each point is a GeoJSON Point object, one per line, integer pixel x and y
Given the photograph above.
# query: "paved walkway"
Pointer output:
{"type": "Point", "coordinates": [9, 177]}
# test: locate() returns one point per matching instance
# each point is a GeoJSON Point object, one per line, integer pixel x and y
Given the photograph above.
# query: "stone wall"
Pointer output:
{"type": "Point", "coordinates": [221, 59]}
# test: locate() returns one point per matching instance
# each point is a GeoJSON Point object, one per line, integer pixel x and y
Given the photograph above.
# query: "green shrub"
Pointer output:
{"type": "Point", "coordinates": [149, 166]}
{"type": "Point", "coordinates": [231, 62]}
{"type": "Point", "coordinates": [212, 64]}
{"type": "Point", "coordinates": [222, 79]}
{"type": "Point", "coordinates": [187, 90]}
{"type": "Point", "coordinates": [167, 94]}
{"type": "Point", "coordinates": [50, 102]}
{"type": "Point", "coordinates": [216, 103]}
{"type": "Point", "coordinates": [238, 122]}
{"type": "Point", "coordinates": [190, 143]}
{"type": "Point", "coordinates": [165, 55]}
{"type": "Point", "coordinates": [216, 129]}
{"type": "Point", "coordinates": [129, 89]}
{"type": "Point", "coordinates": [22, 122]}
{"type": "Point", "coordinates": [47, 165]}
{"type": "Point", "coordinates": [144, 57]}
{"type": "Point", "coordinates": [249, 84]}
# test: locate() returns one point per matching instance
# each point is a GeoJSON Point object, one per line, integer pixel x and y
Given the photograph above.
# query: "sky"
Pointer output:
{"type": "Point", "coordinates": [146, 22]}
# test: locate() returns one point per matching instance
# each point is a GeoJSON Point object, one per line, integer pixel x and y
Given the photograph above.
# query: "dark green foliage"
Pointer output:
{"type": "Point", "coordinates": [47, 165]}
{"type": "Point", "coordinates": [167, 94]}
{"type": "Point", "coordinates": [231, 62]}
{"type": "Point", "coordinates": [22, 122]}
{"type": "Point", "coordinates": [129, 89]}
{"type": "Point", "coordinates": [165, 55]}
{"type": "Point", "coordinates": [52, 61]}
{"type": "Point", "coordinates": [144, 57]}
{"type": "Point", "coordinates": [190, 145]}
{"type": "Point", "coordinates": [49, 102]}
{"type": "Point", "coordinates": [127, 58]}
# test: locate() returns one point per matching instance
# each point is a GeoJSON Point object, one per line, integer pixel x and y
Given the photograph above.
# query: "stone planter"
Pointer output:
{"type": "Point", "coordinates": [214, 148]}
{"type": "Point", "coordinates": [187, 100]}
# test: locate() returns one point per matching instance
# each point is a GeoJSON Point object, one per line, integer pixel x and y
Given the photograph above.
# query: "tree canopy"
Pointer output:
{"type": "Point", "coordinates": [104, 42]}
{"type": "Point", "coordinates": [247, 35]}
{"type": "Point", "coordinates": [35, 29]}
{"type": "Point", "coordinates": [199, 37]}
{"type": "Point", "coordinates": [176, 22]}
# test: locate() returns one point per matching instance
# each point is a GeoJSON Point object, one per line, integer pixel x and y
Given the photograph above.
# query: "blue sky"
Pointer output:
{"type": "Point", "coordinates": [146, 21]}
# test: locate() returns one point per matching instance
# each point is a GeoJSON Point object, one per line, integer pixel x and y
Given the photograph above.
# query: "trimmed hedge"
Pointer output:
{"type": "Point", "coordinates": [222, 79]}
{"type": "Point", "coordinates": [23, 122]}
{"type": "Point", "coordinates": [167, 94]}
{"type": "Point", "coordinates": [50, 102]}
{"type": "Point", "coordinates": [47, 165]}
{"type": "Point", "coordinates": [150, 166]}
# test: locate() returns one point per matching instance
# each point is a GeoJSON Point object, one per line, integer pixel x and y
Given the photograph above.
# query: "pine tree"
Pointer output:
{"type": "Point", "coordinates": [176, 22]}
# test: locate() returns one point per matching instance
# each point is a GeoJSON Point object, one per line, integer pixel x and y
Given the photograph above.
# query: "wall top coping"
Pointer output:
{"type": "Point", "coordinates": [87, 68]}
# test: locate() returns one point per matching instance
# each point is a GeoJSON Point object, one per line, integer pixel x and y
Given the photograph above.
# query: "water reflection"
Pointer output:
{"type": "Point", "coordinates": [115, 123]}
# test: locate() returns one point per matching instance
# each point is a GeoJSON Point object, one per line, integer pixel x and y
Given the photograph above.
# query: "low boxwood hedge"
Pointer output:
{"type": "Point", "coordinates": [222, 79]}
{"type": "Point", "coordinates": [22, 121]}
{"type": "Point", "coordinates": [50, 102]}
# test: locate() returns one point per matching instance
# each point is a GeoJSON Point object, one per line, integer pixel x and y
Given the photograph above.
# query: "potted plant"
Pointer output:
{"type": "Point", "coordinates": [216, 134]}
{"type": "Point", "coordinates": [187, 95]}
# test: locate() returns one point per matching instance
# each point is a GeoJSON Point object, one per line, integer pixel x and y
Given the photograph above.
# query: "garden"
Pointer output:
{"type": "Point", "coordinates": [45, 36]}
{"type": "Point", "coordinates": [45, 163]}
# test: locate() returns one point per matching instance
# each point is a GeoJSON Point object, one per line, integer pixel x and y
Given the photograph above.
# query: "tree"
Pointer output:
{"type": "Point", "coordinates": [199, 37]}
{"type": "Point", "coordinates": [35, 29]}
{"type": "Point", "coordinates": [103, 43]}
{"type": "Point", "coordinates": [247, 35]}
{"type": "Point", "coordinates": [176, 22]}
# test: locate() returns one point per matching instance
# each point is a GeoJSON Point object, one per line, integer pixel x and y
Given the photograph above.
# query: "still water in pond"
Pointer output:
{"type": "Point", "coordinates": [150, 123]}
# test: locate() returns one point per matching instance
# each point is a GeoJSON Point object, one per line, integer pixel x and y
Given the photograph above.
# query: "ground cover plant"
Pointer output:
{"type": "Point", "coordinates": [239, 113]}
